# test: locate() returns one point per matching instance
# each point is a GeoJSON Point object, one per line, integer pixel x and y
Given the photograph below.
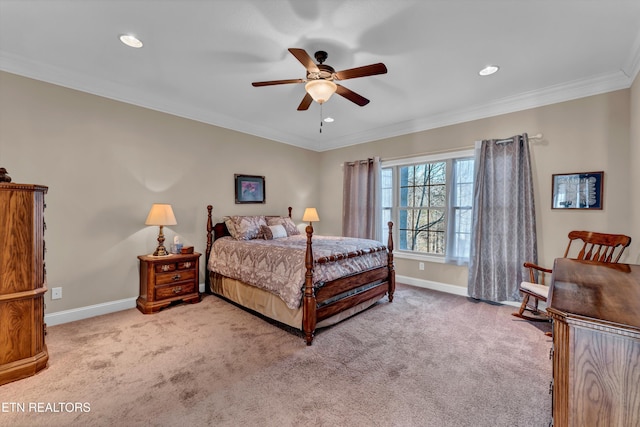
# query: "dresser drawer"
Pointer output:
{"type": "Point", "coordinates": [175, 276]}
{"type": "Point", "coordinates": [174, 290]}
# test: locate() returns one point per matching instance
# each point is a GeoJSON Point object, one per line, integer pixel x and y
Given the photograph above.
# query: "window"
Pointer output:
{"type": "Point", "coordinates": [429, 199]}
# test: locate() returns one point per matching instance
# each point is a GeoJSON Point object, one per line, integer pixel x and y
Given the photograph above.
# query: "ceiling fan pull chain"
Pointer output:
{"type": "Point", "coordinates": [320, 118]}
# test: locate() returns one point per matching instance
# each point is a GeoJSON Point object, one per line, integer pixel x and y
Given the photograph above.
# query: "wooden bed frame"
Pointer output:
{"type": "Point", "coordinates": [327, 299]}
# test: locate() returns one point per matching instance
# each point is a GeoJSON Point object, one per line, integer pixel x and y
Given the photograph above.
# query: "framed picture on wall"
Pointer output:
{"type": "Point", "coordinates": [249, 189]}
{"type": "Point", "coordinates": [577, 190]}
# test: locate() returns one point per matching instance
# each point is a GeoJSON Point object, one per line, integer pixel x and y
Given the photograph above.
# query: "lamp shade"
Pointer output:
{"type": "Point", "coordinates": [320, 90]}
{"type": "Point", "coordinates": [310, 215]}
{"type": "Point", "coordinates": [161, 214]}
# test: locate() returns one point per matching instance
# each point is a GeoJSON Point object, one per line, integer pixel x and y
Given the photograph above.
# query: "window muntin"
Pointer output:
{"type": "Point", "coordinates": [417, 199]}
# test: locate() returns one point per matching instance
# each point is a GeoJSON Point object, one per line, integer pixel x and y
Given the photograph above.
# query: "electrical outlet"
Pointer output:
{"type": "Point", "coordinates": [421, 266]}
{"type": "Point", "coordinates": [56, 293]}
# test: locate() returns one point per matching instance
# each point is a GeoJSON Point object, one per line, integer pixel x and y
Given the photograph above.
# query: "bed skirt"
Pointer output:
{"type": "Point", "coordinates": [271, 305]}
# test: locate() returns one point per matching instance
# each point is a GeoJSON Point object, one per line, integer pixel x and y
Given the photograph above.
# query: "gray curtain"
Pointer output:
{"type": "Point", "coordinates": [361, 214]}
{"type": "Point", "coordinates": [504, 223]}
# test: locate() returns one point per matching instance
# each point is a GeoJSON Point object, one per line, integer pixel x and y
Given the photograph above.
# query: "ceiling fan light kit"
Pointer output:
{"type": "Point", "coordinates": [320, 80]}
{"type": "Point", "coordinates": [320, 90]}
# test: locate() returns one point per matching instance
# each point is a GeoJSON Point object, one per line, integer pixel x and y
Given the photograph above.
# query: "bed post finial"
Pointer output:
{"type": "Point", "coordinates": [290, 209]}
{"type": "Point", "coordinates": [309, 298]}
{"type": "Point", "coordinates": [392, 270]}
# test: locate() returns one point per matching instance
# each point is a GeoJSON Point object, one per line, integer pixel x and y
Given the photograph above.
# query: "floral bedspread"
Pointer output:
{"type": "Point", "coordinates": [278, 265]}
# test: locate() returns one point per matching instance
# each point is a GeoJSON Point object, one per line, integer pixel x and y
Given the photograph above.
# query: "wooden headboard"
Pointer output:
{"type": "Point", "coordinates": [220, 229]}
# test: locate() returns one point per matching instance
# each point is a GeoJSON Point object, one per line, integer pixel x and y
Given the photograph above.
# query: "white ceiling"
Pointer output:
{"type": "Point", "coordinates": [200, 57]}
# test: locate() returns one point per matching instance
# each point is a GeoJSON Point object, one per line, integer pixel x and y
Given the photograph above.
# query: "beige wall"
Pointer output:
{"type": "Point", "coordinates": [589, 134]}
{"type": "Point", "coordinates": [634, 178]}
{"type": "Point", "coordinates": [106, 162]}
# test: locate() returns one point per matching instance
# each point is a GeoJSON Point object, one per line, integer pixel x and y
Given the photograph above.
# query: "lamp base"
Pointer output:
{"type": "Point", "coordinates": [161, 251]}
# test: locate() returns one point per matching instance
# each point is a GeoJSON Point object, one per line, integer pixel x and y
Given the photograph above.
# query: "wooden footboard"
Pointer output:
{"type": "Point", "coordinates": [324, 300]}
{"type": "Point", "coordinates": [327, 299]}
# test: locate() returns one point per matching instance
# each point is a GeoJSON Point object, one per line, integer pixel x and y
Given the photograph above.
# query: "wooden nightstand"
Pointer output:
{"type": "Point", "coordinates": [166, 279]}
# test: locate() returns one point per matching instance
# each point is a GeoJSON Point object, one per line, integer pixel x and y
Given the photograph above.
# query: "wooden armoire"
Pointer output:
{"type": "Point", "coordinates": [23, 351]}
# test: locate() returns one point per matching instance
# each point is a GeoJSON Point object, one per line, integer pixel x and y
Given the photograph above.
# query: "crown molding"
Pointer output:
{"type": "Point", "coordinates": [525, 101]}
{"type": "Point", "coordinates": [632, 67]}
{"type": "Point", "coordinates": [538, 98]}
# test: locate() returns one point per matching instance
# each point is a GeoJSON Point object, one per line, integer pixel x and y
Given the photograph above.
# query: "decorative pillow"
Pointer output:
{"type": "Point", "coordinates": [245, 227]}
{"type": "Point", "coordinates": [286, 222]}
{"type": "Point", "coordinates": [231, 226]}
{"type": "Point", "coordinates": [270, 232]}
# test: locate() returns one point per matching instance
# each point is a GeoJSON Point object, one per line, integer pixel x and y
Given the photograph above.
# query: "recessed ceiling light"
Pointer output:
{"type": "Point", "coordinates": [328, 119]}
{"type": "Point", "coordinates": [130, 40]}
{"type": "Point", "coordinates": [488, 70]}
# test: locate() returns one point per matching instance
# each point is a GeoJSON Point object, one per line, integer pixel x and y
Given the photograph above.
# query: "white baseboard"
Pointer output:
{"type": "Point", "coordinates": [442, 287]}
{"type": "Point", "coordinates": [72, 315]}
{"type": "Point", "coordinates": [66, 316]}
{"type": "Point", "coordinates": [430, 284]}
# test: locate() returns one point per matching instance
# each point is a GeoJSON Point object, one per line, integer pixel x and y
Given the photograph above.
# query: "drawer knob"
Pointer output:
{"type": "Point", "coordinates": [187, 264]}
{"type": "Point", "coordinates": [176, 277]}
{"type": "Point", "coordinates": [177, 289]}
{"type": "Point", "coordinates": [165, 267]}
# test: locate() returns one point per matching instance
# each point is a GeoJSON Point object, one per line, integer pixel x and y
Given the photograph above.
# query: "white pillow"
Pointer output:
{"type": "Point", "coordinates": [278, 231]}
{"type": "Point", "coordinates": [274, 232]}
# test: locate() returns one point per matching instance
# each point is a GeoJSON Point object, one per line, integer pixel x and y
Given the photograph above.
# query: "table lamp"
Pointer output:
{"type": "Point", "coordinates": [310, 215]}
{"type": "Point", "coordinates": [161, 214]}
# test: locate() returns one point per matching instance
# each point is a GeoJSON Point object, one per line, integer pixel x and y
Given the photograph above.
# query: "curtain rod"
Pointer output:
{"type": "Point", "coordinates": [362, 162]}
{"type": "Point", "coordinates": [537, 136]}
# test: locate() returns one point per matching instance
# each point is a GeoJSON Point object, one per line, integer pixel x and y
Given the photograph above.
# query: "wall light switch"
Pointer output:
{"type": "Point", "coordinates": [421, 266]}
{"type": "Point", "coordinates": [56, 293]}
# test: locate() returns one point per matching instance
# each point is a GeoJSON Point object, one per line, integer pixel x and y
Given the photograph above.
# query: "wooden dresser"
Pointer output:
{"type": "Point", "coordinates": [23, 351]}
{"type": "Point", "coordinates": [166, 279]}
{"type": "Point", "coordinates": [596, 343]}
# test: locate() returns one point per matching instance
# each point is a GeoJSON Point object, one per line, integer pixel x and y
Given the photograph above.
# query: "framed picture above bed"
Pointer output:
{"type": "Point", "coordinates": [249, 188]}
{"type": "Point", "coordinates": [582, 190]}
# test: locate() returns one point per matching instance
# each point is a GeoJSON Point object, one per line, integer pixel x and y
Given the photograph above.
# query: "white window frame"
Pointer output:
{"type": "Point", "coordinates": [408, 161]}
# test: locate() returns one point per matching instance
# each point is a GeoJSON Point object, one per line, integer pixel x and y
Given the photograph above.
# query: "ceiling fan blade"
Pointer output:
{"type": "Point", "coordinates": [352, 96]}
{"type": "Point", "coordinates": [306, 101]}
{"type": "Point", "coordinates": [367, 70]}
{"type": "Point", "coordinates": [276, 82]}
{"type": "Point", "coordinates": [304, 58]}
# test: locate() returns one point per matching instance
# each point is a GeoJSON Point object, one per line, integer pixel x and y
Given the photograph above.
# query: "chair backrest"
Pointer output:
{"type": "Point", "coordinates": [598, 246]}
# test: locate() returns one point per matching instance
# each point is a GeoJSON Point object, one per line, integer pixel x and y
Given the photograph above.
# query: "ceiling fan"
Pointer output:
{"type": "Point", "coordinates": [321, 78]}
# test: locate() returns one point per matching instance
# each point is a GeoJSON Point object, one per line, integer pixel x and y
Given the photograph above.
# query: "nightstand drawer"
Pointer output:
{"type": "Point", "coordinates": [185, 265]}
{"type": "Point", "coordinates": [166, 280]}
{"type": "Point", "coordinates": [175, 276]}
{"type": "Point", "coordinates": [164, 268]}
{"type": "Point", "coordinates": [173, 266]}
{"type": "Point", "coordinates": [169, 291]}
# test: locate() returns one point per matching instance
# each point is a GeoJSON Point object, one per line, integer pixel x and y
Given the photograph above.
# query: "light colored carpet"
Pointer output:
{"type": "Point", "coordinates": [427, 359]}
